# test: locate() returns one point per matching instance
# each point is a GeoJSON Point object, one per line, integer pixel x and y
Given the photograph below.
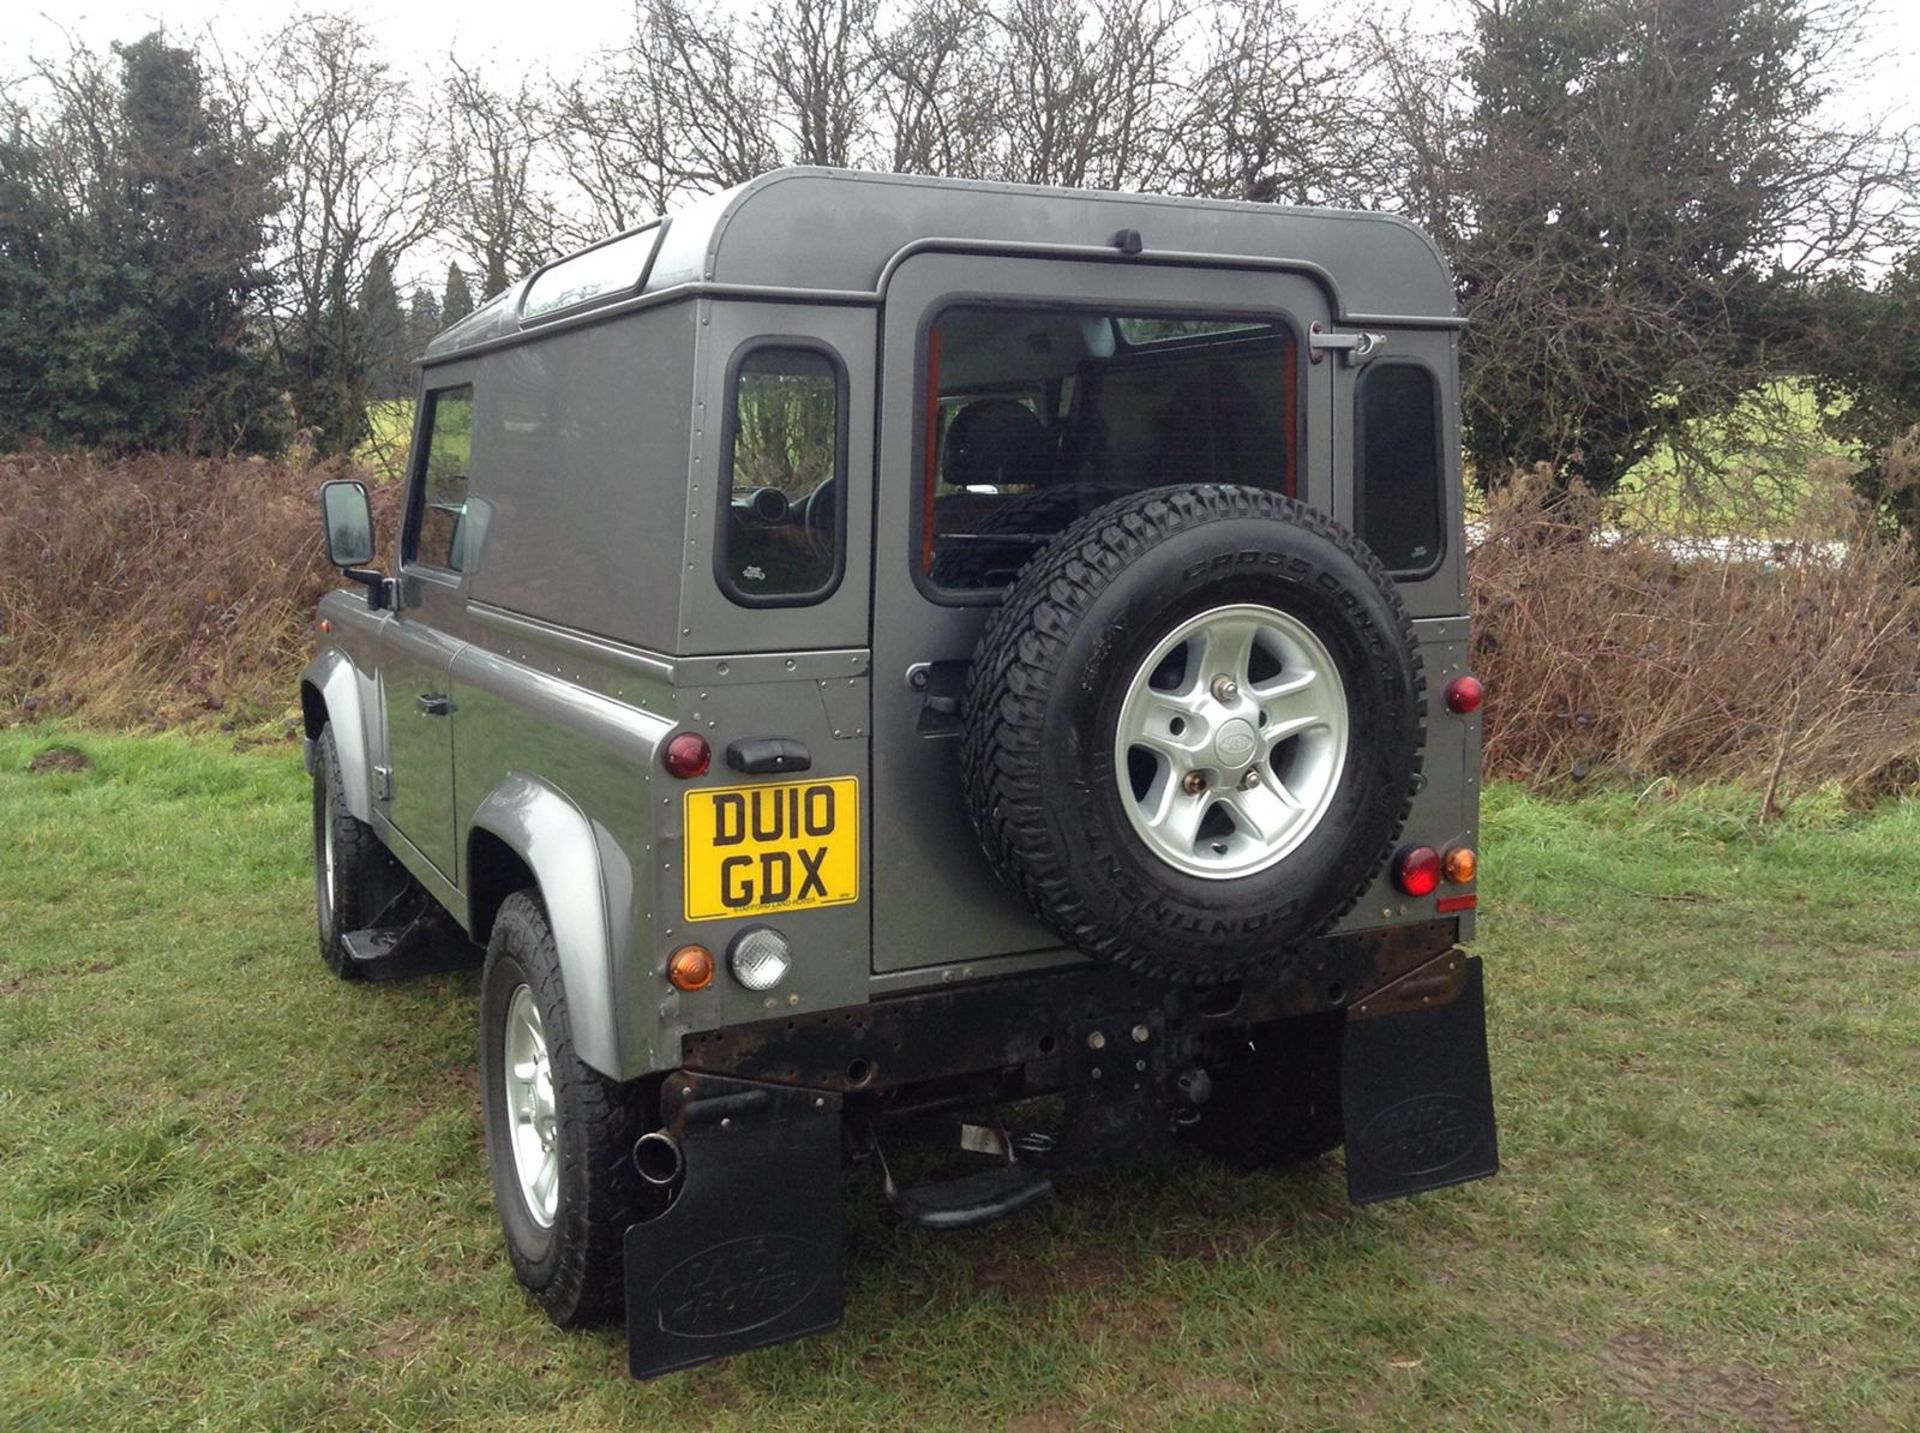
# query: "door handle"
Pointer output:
{"type": "Point", "coordinates": [434, 703]}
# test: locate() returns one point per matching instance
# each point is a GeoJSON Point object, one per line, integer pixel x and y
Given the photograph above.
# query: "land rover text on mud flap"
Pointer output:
{"type": "Point", "coordinates": [960, 677]}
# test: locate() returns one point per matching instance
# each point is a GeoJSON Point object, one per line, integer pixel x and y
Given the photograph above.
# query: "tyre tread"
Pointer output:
{"type": "Point", "coordinates": [1018, 662]}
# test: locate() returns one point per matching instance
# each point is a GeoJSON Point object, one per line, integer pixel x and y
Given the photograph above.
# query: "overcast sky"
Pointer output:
{"type": "Point", "coordinates": [558, 34]}
{"type": "Point", "coordinates": [561, 35]}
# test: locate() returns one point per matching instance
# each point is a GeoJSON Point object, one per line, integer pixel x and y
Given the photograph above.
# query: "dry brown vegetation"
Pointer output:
{"type": "Point", "coordinates": [1633, 653]}
{"type": "Point", "coordinates": [159, 590]}
{"type": "Point", "coordinates": [156, 589]}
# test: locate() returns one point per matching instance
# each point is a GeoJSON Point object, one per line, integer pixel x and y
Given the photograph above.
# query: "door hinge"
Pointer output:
{"type": "Point", "coordinates": [1354, 348]}
{"type": "Point", "coordinates": [383, 783]}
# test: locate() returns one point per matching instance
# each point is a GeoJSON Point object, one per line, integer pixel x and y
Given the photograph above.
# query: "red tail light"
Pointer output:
{"type": "Point", "coordinates": [687, 755]}
{"type": "Point", "coordinates": [1416, 870]}
{"type": "Point", "coordinates": [1464, 694]}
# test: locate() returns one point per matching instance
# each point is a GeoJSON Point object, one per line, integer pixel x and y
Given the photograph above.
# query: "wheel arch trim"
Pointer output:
{"type": "Point", "coordinates": [331, 695]}
{"type": "Point", "coordinates": [560, 846]}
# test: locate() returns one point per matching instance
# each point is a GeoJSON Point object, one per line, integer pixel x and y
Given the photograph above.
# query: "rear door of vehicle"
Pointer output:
{"type": "Point", "coordinates": [934, 900]}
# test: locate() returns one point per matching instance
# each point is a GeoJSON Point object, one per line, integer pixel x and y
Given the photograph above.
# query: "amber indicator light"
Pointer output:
{"type": "Point", "coordinates": [1459, 865]}
{"type": "Point", "coordinates": [690, 968]}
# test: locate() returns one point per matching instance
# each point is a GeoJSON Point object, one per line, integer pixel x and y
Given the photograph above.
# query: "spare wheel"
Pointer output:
{"type": "Point", "coordinates": [1193, 729]}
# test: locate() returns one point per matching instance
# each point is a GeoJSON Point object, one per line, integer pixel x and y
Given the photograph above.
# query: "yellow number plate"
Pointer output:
{"type": "Point", "coordinates": [786, 846]}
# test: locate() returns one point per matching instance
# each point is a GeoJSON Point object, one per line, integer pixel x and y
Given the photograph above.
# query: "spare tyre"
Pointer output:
{"type": "Point", "coordinates": [1191, 733]}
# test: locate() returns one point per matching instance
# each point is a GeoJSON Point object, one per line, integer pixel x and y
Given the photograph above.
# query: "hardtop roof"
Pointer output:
{"type": "Point", "coordinates": [837, 232]}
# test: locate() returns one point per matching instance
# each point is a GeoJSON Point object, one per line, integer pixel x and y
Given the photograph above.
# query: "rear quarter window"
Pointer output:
{"type": "Point", "coordinates": [1398, 497]}
{"type": "Point", "coordinates": [782, 517]}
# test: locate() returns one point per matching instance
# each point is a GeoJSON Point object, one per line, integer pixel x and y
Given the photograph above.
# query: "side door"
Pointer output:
{"type": "Point", "coordinates": [1129, 375]}
{"type": "Point", "coordinates": [418, 644]}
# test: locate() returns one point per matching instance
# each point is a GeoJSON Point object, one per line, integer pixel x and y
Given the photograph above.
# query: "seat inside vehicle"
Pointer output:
{"type": "Point", "coordinates": [1048, 413]}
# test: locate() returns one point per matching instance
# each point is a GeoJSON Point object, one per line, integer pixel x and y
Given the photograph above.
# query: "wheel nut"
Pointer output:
{"type": "Point", "coordinates": [1225, 689]}
{"type": "Point", "coordinates": [1141, 1034]}
{"type": "Point", "coordinates": [1194, 782]}
{"type": "Point", "coordinates": [1096, 1041]}
{"type": "Point", "coordinates": [1251, 779]}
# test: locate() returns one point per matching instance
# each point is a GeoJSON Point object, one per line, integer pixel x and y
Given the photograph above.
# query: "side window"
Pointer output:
{"type": "Point", "coordinates": [1398, 493]}
{"type": "Point", "coordinates": [780, 526]}
{"type": "Point", "coordinates": [436, 536]}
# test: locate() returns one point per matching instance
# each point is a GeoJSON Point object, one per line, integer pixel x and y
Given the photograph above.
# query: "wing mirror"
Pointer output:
{"type": "Point", "coordinates": [346, 517]}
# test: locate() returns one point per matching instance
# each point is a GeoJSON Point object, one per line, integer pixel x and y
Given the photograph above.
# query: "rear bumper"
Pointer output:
{"type": "Point", "coordinates": [749, 1253]}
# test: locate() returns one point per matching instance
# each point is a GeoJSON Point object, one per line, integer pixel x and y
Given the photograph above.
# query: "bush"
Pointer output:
{"type": "Point", "coordinates": [1637, 653]}
{"type": "Point", "coordinates": [157, 589]}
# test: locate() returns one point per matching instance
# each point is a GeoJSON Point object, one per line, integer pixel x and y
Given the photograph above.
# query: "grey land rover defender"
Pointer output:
{"type": "Point", "coordinates": [964, 677]}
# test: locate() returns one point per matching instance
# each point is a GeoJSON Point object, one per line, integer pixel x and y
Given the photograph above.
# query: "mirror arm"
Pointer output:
{"type": "Point", "coordinates": [374, 581]}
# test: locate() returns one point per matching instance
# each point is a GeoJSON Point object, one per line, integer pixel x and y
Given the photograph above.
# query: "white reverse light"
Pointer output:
{"type": "Point", "coordinates": [759, 957]}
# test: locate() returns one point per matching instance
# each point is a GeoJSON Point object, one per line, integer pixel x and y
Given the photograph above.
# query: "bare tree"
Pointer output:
{"type": "Point", "coordinates": [818, 59]}
{"type": "Point", "coordinates": [1087, 91]}
{"type": "Point", "coordinates": [934, 89]}
{"type": "Point", "coordinates": [1280, 111]}
{"type": "Point", "coordinates": [497, 210]}
{"type": "Point", "coordinates": [609, 144]}
{"type": "Point", "coordinates": [361, 175]}
{"type": "Point", "coordinates": [714, 97]}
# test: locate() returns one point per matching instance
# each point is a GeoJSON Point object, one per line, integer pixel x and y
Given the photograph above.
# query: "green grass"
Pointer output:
{"type": "Point", "coordinates": [236, 1193]}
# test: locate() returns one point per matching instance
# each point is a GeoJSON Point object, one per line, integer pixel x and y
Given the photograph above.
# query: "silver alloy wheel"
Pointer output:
{"type": "Point", "coordinates": [532, 1127]}
{"type": "Point", "coordinates": [1231, 741]}
{"type": "Point", "coordinates": [329, 880]}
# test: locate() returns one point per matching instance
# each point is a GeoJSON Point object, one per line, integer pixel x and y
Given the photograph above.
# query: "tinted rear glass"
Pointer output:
{"type": "Point", "coordinates": [1399, 469]}
{"type": "Point", "coordinates": [1036, 416]}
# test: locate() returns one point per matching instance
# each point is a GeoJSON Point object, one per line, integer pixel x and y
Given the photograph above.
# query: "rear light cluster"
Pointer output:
{"type": "Point", "coordinates": [1419, 870]}
{"type": "Point", "coordinates": [759, 958]}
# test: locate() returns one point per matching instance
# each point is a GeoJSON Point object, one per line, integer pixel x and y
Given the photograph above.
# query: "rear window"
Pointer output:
{"type": "Point", "coordinates": [1035, 416]}
{"type": "Point", "coordinates": [1398, 470]}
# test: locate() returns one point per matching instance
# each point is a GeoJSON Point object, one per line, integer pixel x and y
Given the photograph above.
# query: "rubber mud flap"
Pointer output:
{"type": "Point", "coordinates": [1418, 1097]}
{"type": "Point", "coordinates": [750, 1252]}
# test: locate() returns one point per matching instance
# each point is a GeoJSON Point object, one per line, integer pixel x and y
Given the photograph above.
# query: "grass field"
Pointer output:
{"type": "Point", "coordinates": [235, 1193]}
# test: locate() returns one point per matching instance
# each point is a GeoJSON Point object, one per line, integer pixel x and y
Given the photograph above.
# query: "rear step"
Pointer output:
{"type": "Point", "coordinates": [968, 1200]}
{"type": "Point", "coordinates": [972, 1199]}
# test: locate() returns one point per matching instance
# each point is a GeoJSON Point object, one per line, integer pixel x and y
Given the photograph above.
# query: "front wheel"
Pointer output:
{"type": "Point", "coordinates": [559, 1134]}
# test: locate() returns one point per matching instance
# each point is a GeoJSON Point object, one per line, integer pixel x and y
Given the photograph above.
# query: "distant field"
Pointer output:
{"type": "Point", "coordinates": [237, 1193]}
{"type": "Point", "coordinates": [390, 425]}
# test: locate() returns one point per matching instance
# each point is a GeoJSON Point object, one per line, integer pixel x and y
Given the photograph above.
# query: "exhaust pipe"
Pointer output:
{"type": "Point", "coordinates": [657, 1156]}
